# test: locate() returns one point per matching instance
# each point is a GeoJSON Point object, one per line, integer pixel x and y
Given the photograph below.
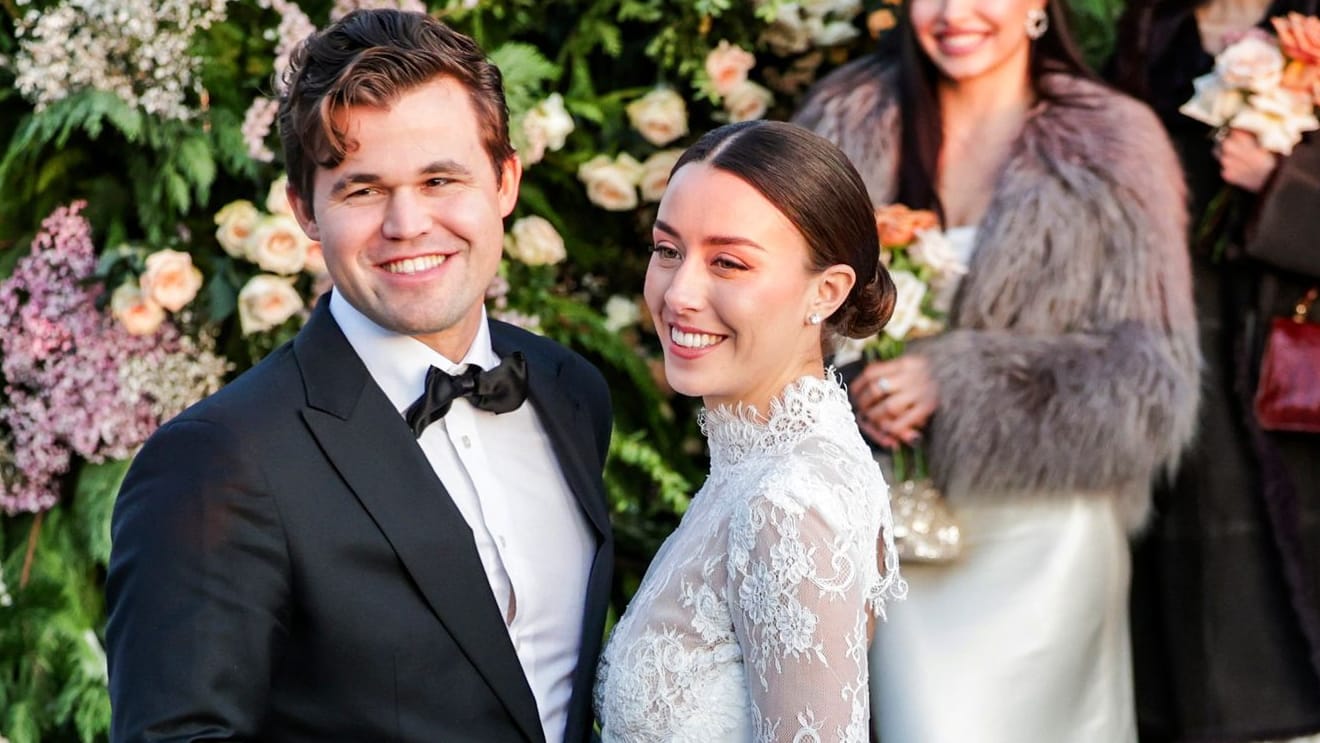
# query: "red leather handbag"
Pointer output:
{"type": "Point", "coordinates": [1288, 395]}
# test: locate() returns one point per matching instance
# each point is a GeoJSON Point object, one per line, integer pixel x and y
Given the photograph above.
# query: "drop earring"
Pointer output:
{"type": "Point", "coordinates": [1038, 22]}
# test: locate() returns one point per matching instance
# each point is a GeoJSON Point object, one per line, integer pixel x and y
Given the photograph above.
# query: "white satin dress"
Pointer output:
{"type": "Point", "coordinates": [1023, 640]}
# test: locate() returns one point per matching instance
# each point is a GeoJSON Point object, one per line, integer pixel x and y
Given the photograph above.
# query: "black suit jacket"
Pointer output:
{"type": "Point", "coordinates": [288, 567]}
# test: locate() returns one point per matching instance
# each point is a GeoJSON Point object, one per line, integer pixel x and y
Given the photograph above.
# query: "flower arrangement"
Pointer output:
{"type": "Point", "coordinates": [1266, 85]}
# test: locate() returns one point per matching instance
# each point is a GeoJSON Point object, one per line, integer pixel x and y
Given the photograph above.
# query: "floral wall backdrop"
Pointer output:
{"type": "Point", "coordinates": [147, 253]}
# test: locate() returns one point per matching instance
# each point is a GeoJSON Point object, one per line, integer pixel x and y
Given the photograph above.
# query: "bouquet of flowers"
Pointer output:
{"type": "Point", "coordinates": [925, 270]}
{"type": "Point", "coordinates": [1265, 85]}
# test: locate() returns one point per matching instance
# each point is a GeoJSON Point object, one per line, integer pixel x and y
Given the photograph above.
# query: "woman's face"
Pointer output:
{"type": "Point", "coordinates": [972, 41]}
{"type": "Point", "coordinates": [730, 290]}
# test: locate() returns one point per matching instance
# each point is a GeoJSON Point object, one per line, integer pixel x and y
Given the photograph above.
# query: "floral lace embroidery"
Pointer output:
{"type": "Point", "coordinates": [751, 622]}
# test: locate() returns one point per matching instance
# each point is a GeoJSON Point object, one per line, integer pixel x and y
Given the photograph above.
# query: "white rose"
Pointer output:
{"type": "Point", "coordinates": [1213, 103]}
{"type": "Point", "coordinates": [832, 33]}
{"type": "Point", "coordinates": [170, 279]}
{"type": "Point", "coordinates": [655, 173]}
{"type": "Point", "coordinates": [278, 245]}
{"type": "Point", "coordinates": [748, 101]}
{"type": "Point", "coordinates": [933, 250]}
{"type": "Point", "coordinates": [727, 66]}
{"type": "Point", "coordinates": [546, 126]}
{"type": "Point", "coordinates": [265, 302]}
{"type": "Point", "coordinates": [1278, 119]}
{"type": "Point", "coordinates": [611, 184]}
{"type": "Point", "coordinates": [907, 305]}
{"type": "Point", "coordinates": [788, 34]}
{"type": "Point", "coordinates": [621, 312]}
{"type": "Point", "coordinates": [660, 115]}
{"type": "Point", "coordinates": [277, 200]}
{"type": "Point", "coordinates": [534, 241]}
{"type": "Point", "coordinates": [138, 314]}
{"type": "Point", "coordinates": [235, 222]}
{"type": "Point", "coordinates": [1254, 63]}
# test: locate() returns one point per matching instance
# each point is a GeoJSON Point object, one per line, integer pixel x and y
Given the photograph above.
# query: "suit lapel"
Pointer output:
{"type": "Point", "coordinates": [372, 448]}
{"type": "Point", "coordinates": [565, 421]}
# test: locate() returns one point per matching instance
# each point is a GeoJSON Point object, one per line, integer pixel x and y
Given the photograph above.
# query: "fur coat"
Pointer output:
{"type": "Point", "coordinates": [1070, 364]}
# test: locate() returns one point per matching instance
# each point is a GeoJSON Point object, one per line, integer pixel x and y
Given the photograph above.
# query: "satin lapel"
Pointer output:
{"type": "Point", "coordinates": [567, 424]}
{"type": "Point", "coordinates": [371, 447]}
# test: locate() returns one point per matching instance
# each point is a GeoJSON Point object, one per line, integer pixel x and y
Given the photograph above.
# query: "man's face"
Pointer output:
{"type": "Point", "coordinates": [411, 222]}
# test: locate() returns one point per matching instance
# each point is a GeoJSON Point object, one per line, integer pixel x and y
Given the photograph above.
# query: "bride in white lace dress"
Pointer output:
{"type": "Point", "coordinates": [754, 619]}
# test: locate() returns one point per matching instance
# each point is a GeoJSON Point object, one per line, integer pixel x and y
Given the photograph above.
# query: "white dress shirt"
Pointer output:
{"type": "Point", "coordinates": [500, 470]}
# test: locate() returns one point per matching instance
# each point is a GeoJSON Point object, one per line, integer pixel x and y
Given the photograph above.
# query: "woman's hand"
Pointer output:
{"type": "Point", "coordinates": [895, 399]}
{"type": "Point", "coordinates": [1243, 162]}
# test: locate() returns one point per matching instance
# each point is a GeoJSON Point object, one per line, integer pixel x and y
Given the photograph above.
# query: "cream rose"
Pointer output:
{"type": "Point", "coordinates": [138, 314]}
{"type": "Point", "coordinates": [170, 279]}
{"type": "Point", "coordinates": [1213, 103]}
{"type": "Point", "coordinates": [265, 302]}
{"type": "Point", "coordinates": [545, 127]}
{"type": "Point", "coordinates": [832, 33]}
{"type": "Point", "coordinates": [611, 184]}
{"type": "Point", "coordinates": [235, 223]}
{"type": "Point", "coordinates": [747, 102]}
{"type": "Point", "coordinates": [1254, 63]}
{"type": "Point", "coordinates": [621, 312]}
{"type": "Point", "coordinates": [1278, 119]}
{"type": "Point", "coordinates": [933, 250]}
{"type": "Point", "coordinates": [789, 33]}
{"type": "Point", "coordinates": [277, 200]}
{"type": "Point", "coordinates": [727, 66]}
{"type": "Point", "coordinates": [660, 115]}
{"type": "Point", "coordinates": [278, 245]}
{"type": "Point", "coordinates": [907, 305]}
{"type": "Point", "coordinates": [655, 173]}
{"type": "Point", "coordinates": [534, 241]}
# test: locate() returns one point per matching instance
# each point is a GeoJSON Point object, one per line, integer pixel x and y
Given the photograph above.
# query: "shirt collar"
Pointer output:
{"type": "Point", "coordinates": [398, 363]}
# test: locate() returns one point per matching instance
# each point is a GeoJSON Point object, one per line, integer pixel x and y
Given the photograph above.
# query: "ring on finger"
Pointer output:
{"type": "Point", "coordinates": [883, 386]}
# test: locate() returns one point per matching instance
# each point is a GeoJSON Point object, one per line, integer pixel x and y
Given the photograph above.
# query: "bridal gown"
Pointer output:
{"type": "Point", "coordinates": [751, 623]}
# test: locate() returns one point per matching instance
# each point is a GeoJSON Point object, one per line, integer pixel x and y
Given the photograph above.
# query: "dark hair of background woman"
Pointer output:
{"type": "Point", "coordinates": [812, 183]}
{"type": "Point", "coordinates": [919, 106]}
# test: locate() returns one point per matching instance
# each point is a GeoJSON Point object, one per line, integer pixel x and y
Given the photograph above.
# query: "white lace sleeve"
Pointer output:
{"type": "Point", "coordinates": [803, 580]}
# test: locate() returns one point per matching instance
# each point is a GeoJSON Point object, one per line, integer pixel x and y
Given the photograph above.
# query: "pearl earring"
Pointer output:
{"type": "Point", "coordinates": [1038, 22]}
{"type": "Point", "coordinates": [814, 319]}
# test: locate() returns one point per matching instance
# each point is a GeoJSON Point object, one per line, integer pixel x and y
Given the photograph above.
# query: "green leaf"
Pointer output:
{"type": "Point", "coordinates": [94, 502]}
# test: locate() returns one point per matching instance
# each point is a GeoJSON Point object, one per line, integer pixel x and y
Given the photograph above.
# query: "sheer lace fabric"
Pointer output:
{"type": "Point", "coordinates": [751, 622]}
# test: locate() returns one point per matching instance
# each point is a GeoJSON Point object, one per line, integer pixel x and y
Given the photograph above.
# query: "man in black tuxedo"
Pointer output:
{"type": "Point", "coordinates": [362, 538]}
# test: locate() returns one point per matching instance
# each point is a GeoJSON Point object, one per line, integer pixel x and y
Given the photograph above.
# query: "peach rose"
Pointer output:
{"type": "Point", "coordinates": [265, 302]}
{"type": "Point", "coordinates": [611, 184]}
{"type": "Point", "coordinates": [898, 225]}
{"type": "Point", "coordinates": [534, 241]}
{"type": "Point", "coordinates": [170, 279]}
{"type": "Point", "coordinates": [138, 314]}
{"type": "Point", "coordinates": [660, 115]}
{"type": "Point", "coordinates": [727, 66]}
{"type": "Point", "coordinates": [278, 245]}
{"type": "Point", "coordinates": [1304, 79]}
{"type": "Point", "coordinates": [1299, 37]}
{"type": "Point", "coordinates": [235, 223]}
{"type": "Point", "coordinates": [747, 102]}
{"type": "Point", "coordinates": [655, 173]}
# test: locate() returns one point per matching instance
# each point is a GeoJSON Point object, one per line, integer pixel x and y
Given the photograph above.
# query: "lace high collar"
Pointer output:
{"type": "Point", "coordinates": [736, 433]}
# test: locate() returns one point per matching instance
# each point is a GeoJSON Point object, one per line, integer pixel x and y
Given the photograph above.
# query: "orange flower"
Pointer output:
{"type": "Point", "coordinates": [1299, 37]}
{"type": "Point", "coordinates": [1304, 79]}
{"type": "Point", "coordinates": [898, 225]}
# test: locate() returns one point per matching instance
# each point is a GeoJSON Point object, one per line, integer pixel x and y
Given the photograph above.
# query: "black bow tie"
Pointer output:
{"type": "Point", "coordinates": [499, 390]}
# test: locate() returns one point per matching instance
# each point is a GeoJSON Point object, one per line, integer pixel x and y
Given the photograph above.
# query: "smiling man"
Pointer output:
{"type": "Point", "coordinates": [394, 528]}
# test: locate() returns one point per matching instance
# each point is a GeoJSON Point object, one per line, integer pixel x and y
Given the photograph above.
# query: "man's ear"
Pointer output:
{"type": "Point", "coordinates": [510, 177]}
{"type": "Point", "coordinates": [302, 211]}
